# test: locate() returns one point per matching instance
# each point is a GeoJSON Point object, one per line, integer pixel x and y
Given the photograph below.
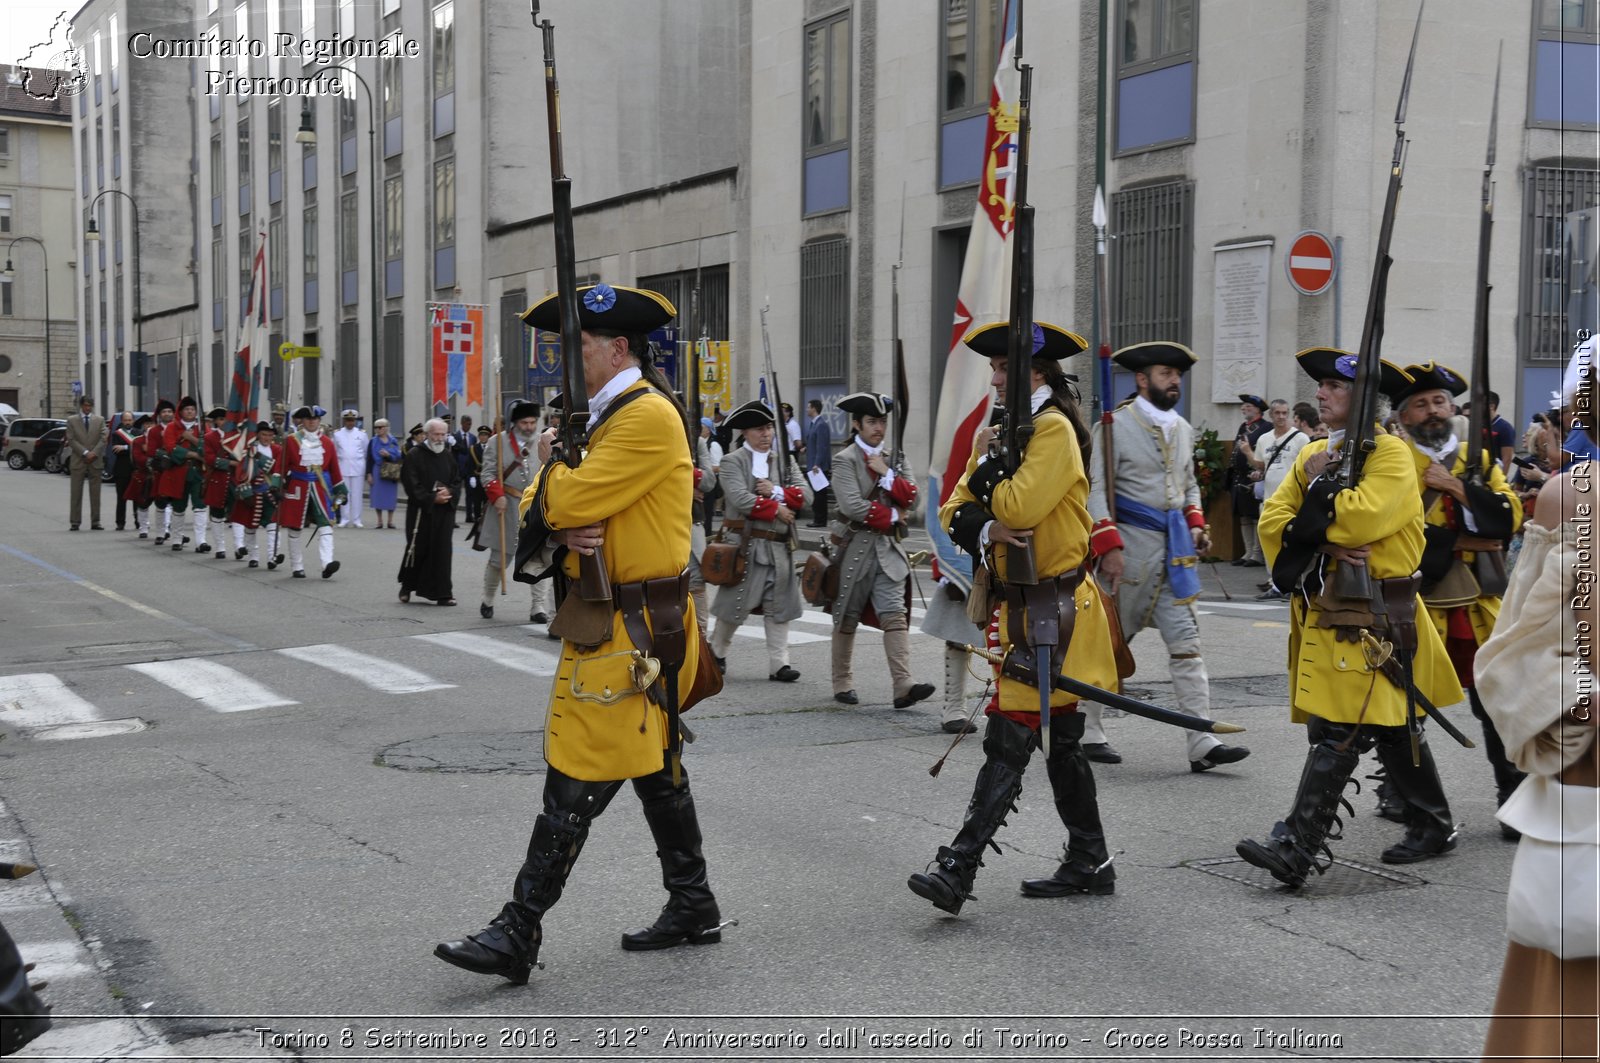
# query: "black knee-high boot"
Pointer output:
{"type": "Point", "coordinates": [947, 882]}
{"type": "Point", "coordinates": [1085, 864]}
{"type": "Point", "coordinates": [1292, 850]}
{"type": "Point", "coordinates": [509, 945]}
{"type": "Point", "coordinates": [1430, 829]}
{"type": "Point", "coordinates": [691, 915]}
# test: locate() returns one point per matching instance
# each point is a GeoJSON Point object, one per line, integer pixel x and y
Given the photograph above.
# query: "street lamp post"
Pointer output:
{"type": "Point", "coordinates": [10, 272]}
{"type": "Point", "coordinates": [307, 134]}
{"type": "Point", "coordinates": [91, 233]}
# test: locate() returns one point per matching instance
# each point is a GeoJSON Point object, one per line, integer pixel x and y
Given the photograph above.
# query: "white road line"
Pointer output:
{"type": "Point", "coordinates": [754, 630]}
{"type": "Point", "coordinates": [518, 658]}
{"type": "Point", "coordinates": [372, 672]}
{"type": "Point", "coordinates": [216, 686]}
{"type": "Point", "coordinates": [39, 700]}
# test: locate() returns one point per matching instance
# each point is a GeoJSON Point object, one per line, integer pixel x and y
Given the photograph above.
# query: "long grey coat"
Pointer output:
{"type": "Point", "coordinates": [734, 604]}
{"type": "Point", "coordinates": [502, 447]}
{"type": "Point", "coordinates": [865, 554]}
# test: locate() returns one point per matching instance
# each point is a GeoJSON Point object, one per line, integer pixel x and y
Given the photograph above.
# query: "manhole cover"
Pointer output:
{"type": "Point", "coordinates": [91, 729]}
{"type": "Point", "coordinates": [511, 752]}
{"type": "Point", "coordinates": [1345, 878]}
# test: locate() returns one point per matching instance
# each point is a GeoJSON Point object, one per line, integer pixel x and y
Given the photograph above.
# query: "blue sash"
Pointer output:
{"type": "Point", "coordinates": [1183, 575]}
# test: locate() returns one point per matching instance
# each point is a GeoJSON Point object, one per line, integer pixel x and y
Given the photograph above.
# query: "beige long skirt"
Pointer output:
{"type": "Point", "coordinates": [1546, 1009]}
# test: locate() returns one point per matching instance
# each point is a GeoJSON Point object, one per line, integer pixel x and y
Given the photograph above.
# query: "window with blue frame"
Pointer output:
{"type": "Point", "coordinates": [970, 35]}
{"type": "Point", "coordinates": [826, 135]}
{"type": "Point", "coordinates": [1155, 74]}
{"type": "Point", "coordinates": [1566, 65]}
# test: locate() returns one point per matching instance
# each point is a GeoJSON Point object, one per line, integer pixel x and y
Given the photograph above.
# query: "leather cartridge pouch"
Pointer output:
{"type": "Point", "coordinates": [1119, 644]}
{"type": "Point", "coordinates": [1489, 566]}
{"type": "Point", "coordinates": [819, 580]}
{"type": "Point", "coordinates": [665, 637]}
{"type": "Point", "coordinates": [1400, 602]}
{"type": "Point", "coordinates": [980, 603]}
{"type": "Point", "coordinates": [584, 624]}
{"type": "Point", "coordinates": [723, 564]}
{"type": "Point", "coordinates": [1458, 587]}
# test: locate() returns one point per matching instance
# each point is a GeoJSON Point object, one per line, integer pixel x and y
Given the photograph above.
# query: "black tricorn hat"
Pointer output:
{"type": "Point", "coordinates": [216, 413]}
{"type": "Point", "coordinates": [164, 404]}
{"type": "Point", "coordinates": [1255, 400]}
{"type": "Point", "coordinates": [520, 409]}
{"type": "Point", "coordinates": [1330, 363]}
{"type": "Point", "coordinates": [416, 429]}
{"type": "Point", "coordinates": [1429, 376]}
{"type": "Point", "coordinates": [266, 426]}
{"type": "Point", "coordinates": [143, 418]}
{"type": "Point", "coordinates": [1049, 341]}
{"type": "Point", "coordinates": [605, 308]}
{"type": "Point", "coordinates": [1141, 356]}
{"type": "Point", "coordinates": [302, 414]}
{"type": "Point", "coordinates": [558, 401]}
{"type": "Point", "coordinates": [752, 414]}
{"type": "Point", "coordinates": [866, 404]}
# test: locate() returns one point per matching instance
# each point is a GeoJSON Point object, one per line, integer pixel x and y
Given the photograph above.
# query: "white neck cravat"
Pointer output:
{"type": "Point", "coordinates": [759, 462]}
{"type": "Point", "coordinates": [1041, 395]}
{"type": "Point", "coordinates": [611, 389]}
{"type": "Point", "coordinates": [1166, 420]}
{"type": "Point", "coordinates": [1445, 452]}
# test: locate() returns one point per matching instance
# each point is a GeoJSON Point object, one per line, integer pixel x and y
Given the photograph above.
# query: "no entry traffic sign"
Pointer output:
{"type": "Point", "coordinates": [1310, 263]}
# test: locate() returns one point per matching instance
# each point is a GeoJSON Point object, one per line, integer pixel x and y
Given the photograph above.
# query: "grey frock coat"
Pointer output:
{"type": "Point", "coordinates": [771, 562]}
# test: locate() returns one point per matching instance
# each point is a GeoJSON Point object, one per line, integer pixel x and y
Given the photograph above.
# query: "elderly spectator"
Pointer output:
{"type": "Point", "coordinates": [383, 472]}
{"type": "Point", "coordinates": [432, 481]}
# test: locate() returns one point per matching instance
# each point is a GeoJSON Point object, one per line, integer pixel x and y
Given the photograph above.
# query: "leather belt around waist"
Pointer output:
{"type": "Point", "coordinates": [896, 530]}
{"type": "Point", "coordinates": [738, 527]}
{"type": "Point", "coordinates": [665, 601]}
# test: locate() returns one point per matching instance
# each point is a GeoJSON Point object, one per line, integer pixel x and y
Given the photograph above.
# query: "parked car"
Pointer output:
{"type": "Point", "coordinates": [22, 434]}
{"type": "Point", "coordinates": [49, 451]}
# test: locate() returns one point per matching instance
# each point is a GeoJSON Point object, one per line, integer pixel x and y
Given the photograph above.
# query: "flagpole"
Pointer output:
{"type": "Point", "coordinates": [504, 429]}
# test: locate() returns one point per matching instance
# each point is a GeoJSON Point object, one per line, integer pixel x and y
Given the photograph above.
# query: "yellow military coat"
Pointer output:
{"type": "Point", "coordinates": [1329, 678]}
{"type": "Point", "coordinates": [637, 480]}
{"type": "Point", "coordinates": [1485, 610]}
{"type": "Point", "coordinates": [1050, 494]}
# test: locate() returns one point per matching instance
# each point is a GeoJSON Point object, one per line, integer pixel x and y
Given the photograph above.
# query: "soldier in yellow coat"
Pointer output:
{"type": "Point", "coordinates": [1338, 686]}
{"type": "Point", "coordinates": [629, 500]}
{"type": "Point", "coordinates": [987, 514]}
{"type": "Point", "coordinates": [1460, 588]}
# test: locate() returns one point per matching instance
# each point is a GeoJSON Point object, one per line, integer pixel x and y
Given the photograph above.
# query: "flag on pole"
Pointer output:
{"type": "Point", "coordinates": [983, 296]}
{"type": "Point", "coordinates": [458, 338]}
{"type": "Point", "coordinates": [761, 392]}
{"type": "Point", "coordinates": [242, 389]}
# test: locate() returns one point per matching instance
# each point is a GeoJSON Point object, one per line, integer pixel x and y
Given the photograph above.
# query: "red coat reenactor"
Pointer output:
{"type": "Point", "coordinates": [179, 485]}
{"type": "Point", "coordinates": [219, 459]}
{"type": "Point", "coordinates": [257, 486]}
{"type": "Point", "coordinates": [312, 486]}
{"type": "Point", "coordinates": [157, 461]}
{"type": "Point", "coordinates": [139, 490]}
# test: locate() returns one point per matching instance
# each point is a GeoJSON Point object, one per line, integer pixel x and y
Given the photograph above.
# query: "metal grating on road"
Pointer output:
{"type": "Point", "coordinates": [1346, 878]}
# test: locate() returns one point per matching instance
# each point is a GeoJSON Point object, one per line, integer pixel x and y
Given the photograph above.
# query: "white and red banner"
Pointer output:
{"type": "Point", "coordinates": [983, 297]}
{"type": "Point", "coordinates": [244, 388]}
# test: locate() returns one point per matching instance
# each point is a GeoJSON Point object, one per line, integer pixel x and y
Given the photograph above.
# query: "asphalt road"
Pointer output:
{"type": "Point", "coordinates": [318, 784]}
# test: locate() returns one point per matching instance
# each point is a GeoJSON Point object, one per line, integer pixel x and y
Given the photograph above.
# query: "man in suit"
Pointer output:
{"type": "Point", "coordinates": [86, 442]}
{"type": "Point", "coordinates": [819, 453]}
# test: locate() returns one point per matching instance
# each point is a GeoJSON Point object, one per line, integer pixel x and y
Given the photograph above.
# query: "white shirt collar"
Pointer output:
{"type": "Point", "coordinates": [1040, 396]}
{"type": "Point", "coordinates": [759, 462]}
{"type": "Point", "coordinates": [869, 451]}
{"type": "Point", "coordinates": [1167, 419]}
{"type": "Point", "coordinates": [1443, 453]}
{"type": "Point", "coordinates": [612, 388]}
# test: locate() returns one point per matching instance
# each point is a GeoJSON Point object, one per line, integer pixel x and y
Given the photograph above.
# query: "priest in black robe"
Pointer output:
{"type": "Point", "coordinates": [432, 480]}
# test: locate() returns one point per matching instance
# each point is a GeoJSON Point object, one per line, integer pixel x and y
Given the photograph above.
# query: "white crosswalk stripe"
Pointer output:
{"type": "Point", "coordinates": [41, 700]}
{"type": "Point", "coordinates": [375, 673]}
{"type": "Point", "coordinates": [216, 686]}
{"type": "Point", "coordinates": [519, 658]}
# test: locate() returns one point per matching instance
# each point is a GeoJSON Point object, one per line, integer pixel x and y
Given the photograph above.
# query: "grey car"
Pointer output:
{"type": "Point", "coordinates": [20, 436]}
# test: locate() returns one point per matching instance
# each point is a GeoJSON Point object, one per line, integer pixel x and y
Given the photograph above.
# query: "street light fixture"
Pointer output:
{"type": "Point", "coordinates": [307, 135]}
{"type": "Point", "coordinates": [91, 233]}
{"type": "Point", "coordinates": [10, 272]}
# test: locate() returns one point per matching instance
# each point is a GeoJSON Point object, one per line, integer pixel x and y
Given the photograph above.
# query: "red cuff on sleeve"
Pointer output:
{"type": "Point", "coordinates": [880, 517]}
{"type": "Point", "coordinates": [1104, 538]}
{"type": "Point", "coordinates": [764, 509]}
{"type": "Point", "coordinates": [903, 492]}
{"type": "Point", "coordinates": [495, 490]}
{"type": "Point", "coordinates": [1193, 517]}
{"type": "Point", "coordinates": [697, 474]}
{"type": "Point", "coordinates": [794, 498]}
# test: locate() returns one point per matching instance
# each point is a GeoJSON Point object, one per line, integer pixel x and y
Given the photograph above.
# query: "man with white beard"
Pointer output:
{"type": "Point", "coordinates": [509, 465]}
{"type": "Point", "coordinates": [350, 444]}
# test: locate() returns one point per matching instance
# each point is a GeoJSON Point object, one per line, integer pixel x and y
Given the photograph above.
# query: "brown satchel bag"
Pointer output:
{"type": "Point", "coordinates": [1119, 644]}
{"type": "Point", "coordinates": [819, 580]}
{"type": "Point", "coordinates": [707, 679]}
{"type": "Point", "coordinates": [723, 564]}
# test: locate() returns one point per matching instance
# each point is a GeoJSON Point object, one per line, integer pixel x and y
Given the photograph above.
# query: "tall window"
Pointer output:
{"type": "Point", "coordinates": [5, 142]}
{"type": "Point", "coordinates": [114, 46]}
{"type": "Point", "coordinates": [824, 310]}
{"type": "Point", "coordinates": [274, 149]}
{"type": "Point", "coordinates": [244, 148]}
{"type": "Point", "coordinates": [389, 83]}
{"type": "Point", "coordinates": [347, 19]}
{"type": "Point", "coordinates": [308, 21]}
{"type": "Point", "coordinates": [308, 242]}
{"type": "Point", "coordinates": [219, 282]}
{"type": "Point", "coordinates": [393, 217]}
{"type": "Point", "coordinates": [444, 222]}
{"type": "Point", "coordinates": [349, 258]}
{"type": "Point", "coordinates": [1566, 64]}
{"type": "Point", "coordinates": [5, 297]}
{"type": "Point", "coordinates": [444, 48]}
{"type": "Point", "coordinates": [826, 115]}
{"type": "Point", "coordinates": [5, 214]}
{"type": "Point", "coordinates": [241, 30]}
{"type": "Point", "coordinates": [116, 141]}
{"type": "Point", "coordinates": [1155, 74]}
{"type": "Point", "coordinates": [275, 266]}
{"type": "Point", "coordinates": [1561, 228]}
{"type": "Point", "coordinates": [1151, 272]}
{"type": "Point", "coordinates": [972, 36]}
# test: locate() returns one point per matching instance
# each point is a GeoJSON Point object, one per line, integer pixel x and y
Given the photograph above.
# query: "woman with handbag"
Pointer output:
{"type": "Point", "coordinates": [383, 472]}
{"type": "Point", "coordinates": [759, 516]}
{"type": "Point", "coordinates": [1537, 683]}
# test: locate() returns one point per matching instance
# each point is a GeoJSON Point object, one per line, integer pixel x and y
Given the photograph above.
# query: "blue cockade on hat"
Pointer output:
{"type": "Point", "coordinates": [600, 298]}
{"type": "Point", "coordinates": [1038, 339]}
{"type": "Point", "coordinates": [1345, 365]}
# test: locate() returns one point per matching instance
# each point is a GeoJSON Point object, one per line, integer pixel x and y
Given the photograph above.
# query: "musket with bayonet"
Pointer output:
{"type": "Point", "coordinates": [1022, 568]}
{"type": "Point", "coordinates": [1479, 452]}
{"type": "Point", "coordinates": [902, 385]}
{"type": "Point", "coordinates": [780, 431]}
{"type": "Point", "coordinates": [594, 584]}
{"type": "Point", "coordinates": [1108, 468]}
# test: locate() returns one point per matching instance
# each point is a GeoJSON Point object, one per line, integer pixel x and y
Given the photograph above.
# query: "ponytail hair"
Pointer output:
{"type": "Point", "coordinates": [643, 350]}
{"type": "Point", "coordinates": [1064, 397]}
